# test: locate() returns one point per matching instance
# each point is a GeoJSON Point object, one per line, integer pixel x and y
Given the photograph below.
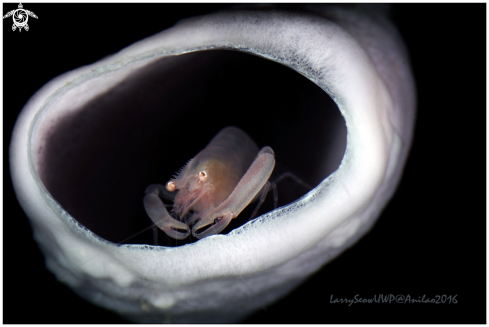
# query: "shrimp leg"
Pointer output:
{"type": "Point", "coordinates": [273, 186]}
{"type": "Point", "coordinates": [248, 187]}
{"type": "Point", "coordinates": [263, 194]}
{"type": "Point", "coordinates": [156, 210]}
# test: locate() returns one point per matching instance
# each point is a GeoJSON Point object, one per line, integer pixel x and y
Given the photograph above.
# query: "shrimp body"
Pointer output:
{"type": "Point", "coordinates": [214, 187]}
{"type": "Point", "coordinates": [209, 178]}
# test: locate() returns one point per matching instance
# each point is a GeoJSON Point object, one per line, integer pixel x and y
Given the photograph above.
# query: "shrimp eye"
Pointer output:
{"type": "Point", "coordinates": [202, 175]}
{"type": "Point", "coordinates": [170, 186]}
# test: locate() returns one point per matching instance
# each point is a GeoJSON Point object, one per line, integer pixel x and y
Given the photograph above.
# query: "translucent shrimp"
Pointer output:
{"type": "Point", "coordinates": [214, 187]}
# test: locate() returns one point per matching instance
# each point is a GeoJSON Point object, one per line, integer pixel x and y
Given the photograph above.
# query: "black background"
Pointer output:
{"type": "Point", "coordinates": [430, 239]}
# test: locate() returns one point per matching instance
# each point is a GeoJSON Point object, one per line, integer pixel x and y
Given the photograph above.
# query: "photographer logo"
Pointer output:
{"type": "Point", "coordinates": [20, 17]}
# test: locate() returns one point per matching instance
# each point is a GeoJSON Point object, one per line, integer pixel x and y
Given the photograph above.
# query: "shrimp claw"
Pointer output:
{"type": "Point", "coordinates": [156, 210]}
